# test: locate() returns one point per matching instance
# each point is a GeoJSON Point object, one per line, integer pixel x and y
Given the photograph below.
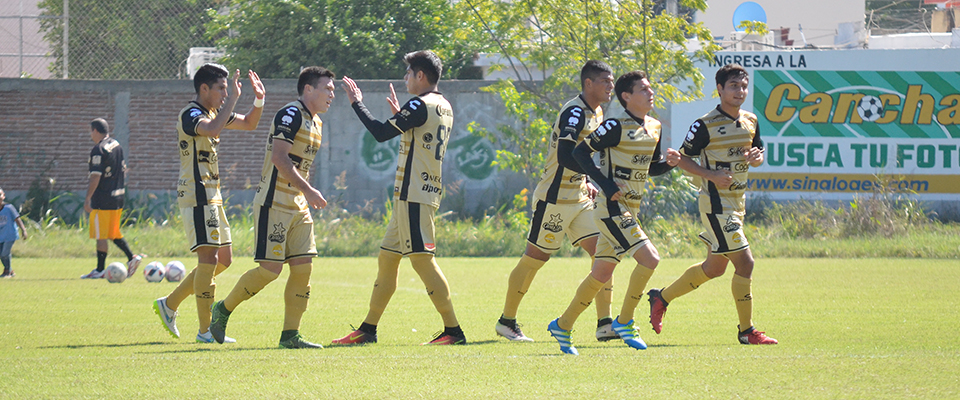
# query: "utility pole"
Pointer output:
{"type": "Point", "coordinates": [66, 39]}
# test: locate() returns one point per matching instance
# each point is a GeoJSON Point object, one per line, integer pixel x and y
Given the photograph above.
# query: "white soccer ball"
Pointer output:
{"type": "Point", "coordinates": [870, 108]}
{"type": "Point", "coordinates": [175, 271]}
{"type": "Point", "coordinates": [154, 271]}
{"type": "Point", "coordinates": [115, 272]}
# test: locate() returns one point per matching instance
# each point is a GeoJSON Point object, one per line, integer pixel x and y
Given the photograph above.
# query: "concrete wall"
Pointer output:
{"type": "Point", "coordinates": [45, 134]}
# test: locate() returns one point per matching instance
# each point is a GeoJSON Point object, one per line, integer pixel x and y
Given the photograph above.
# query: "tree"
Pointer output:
{"type": "Point", "coordinates": [560, 36]}
{"type": "Point", "coordinates": [126, 39]}
{"type": "Point", "coordinates": [361, 38]}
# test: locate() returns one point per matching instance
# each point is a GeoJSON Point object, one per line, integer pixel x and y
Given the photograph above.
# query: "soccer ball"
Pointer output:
{"type": "Point", "coordinates": [154, 272]}
{"type": "Point", "coordinates": [175, 271]}
{"type": "Point", "coordinates": [870, 108]}
{"type": "Point", "coordinates": [116, 272]}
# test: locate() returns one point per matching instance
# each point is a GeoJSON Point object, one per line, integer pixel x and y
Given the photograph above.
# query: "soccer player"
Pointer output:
{"type": "Point", "coordinates": [423, 124]}
{"type": "Point", "coordinates": [9, 221]}
{"type": "Point", "coordinates": [629, 147]}
{"type": "Point", "coordinates": [727, 142]}
{"type": "Point", "coordinates": [282, 220]}
{"type": "Point", "coordinates": [199, 125]}
{"type": "Point", "coordinates": [563, 205]}
{"type": "Point", "coordinates": [105, 195]}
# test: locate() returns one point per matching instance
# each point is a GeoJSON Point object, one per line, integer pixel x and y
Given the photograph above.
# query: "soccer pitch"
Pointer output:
{"type": "Point", "coordinates": [848, 328]}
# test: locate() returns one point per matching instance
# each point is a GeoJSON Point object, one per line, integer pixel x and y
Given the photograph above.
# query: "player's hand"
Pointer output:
{"type": "Point", "coordinates": [673, 157]}
{"type": "Point", "coordinates": [754, 156]}
{"type": "Point", "coordinates": [394, 103]}
{"type": "Point", "coordinates": [314, 198]}
{"type": "Point", "coordinates": [592, 191]}
{"type": "Point", "coordinates": [721, 177]}
{"type": "Point", "coordinates": [353, 92]}
{"type": "Point", "coordinates": [235, 86]}
{"type": "Point", "coordinates": [87, 207]}
{"type": "Point", "coordinates": [619, 194]}
{"type": "Point", "coordinates": [257, 85]}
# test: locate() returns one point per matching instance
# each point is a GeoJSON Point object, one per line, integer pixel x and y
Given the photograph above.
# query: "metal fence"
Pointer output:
{"type": "Point", "coordinates": [101, 39]}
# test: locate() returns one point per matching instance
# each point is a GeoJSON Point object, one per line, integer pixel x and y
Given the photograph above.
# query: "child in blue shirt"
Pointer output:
{"type": "Point", "coordinates": [8, 233]}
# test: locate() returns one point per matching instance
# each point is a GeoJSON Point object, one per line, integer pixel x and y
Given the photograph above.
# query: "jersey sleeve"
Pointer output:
{"type": "Point", "coordinates": [757, 142]}
{"type": "Point", "coordinates": [97, 161]}
{"type": "Point", "coordinates": [411, 115]}
{"type": "Point", "coordinates": [697, 139]}
{"type": "Point", "coordinates": [607, 135]}
{"type": "Point", "coordinates": [190, 119]}
{"type": "Point", "coordinates": [571, 122]}
{"type": "Point", "coordinates": [658, 164]}
{"type": "Point", "coordinates": [287, 123]}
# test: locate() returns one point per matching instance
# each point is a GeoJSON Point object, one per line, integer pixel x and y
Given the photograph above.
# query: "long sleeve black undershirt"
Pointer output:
{"type": "Point", "coordinates": [382, 131]}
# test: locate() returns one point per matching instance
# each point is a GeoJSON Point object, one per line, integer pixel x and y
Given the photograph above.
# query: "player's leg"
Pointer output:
{"type": "Point", "coordinates": [302, 247]}
{"type": "Point", "coordinates": [647, 258]}
{"type": "Point", "coordinates": [741, 288]}
{"type": "Point", "coordinates": [604, 300]}
{"type": "Point", "coordinates": [562, 327]}
{"type": "Point", "coordinates": [517, 286]}
{"type": "Point", "coordinates": [5, 258]}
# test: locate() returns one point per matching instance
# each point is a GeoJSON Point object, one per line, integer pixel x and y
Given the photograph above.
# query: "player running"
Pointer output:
{"type": "Point", "coordinates": [629, 147]}
{"type": "Point", "coordinates": [727, 143]}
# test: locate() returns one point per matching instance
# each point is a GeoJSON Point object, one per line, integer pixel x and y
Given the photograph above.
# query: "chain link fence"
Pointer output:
{"type": "Point", "coordinates": [102, 39]}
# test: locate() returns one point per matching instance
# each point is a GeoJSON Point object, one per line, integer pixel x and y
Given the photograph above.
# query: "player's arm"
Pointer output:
{"type": "Point", "coordinates": [97, 163]}
{"type": "Point", "coordinates": [212, 127]}
{"type": "Point", "coordinates": [607, 135]}
{"type": "Point", "coordinates": [280, 157]}
{"type": "Point", "coordinates": [755, 154]}
{"type": "Point", "coordinates": [250, 120]}
{"type": "Point", "coordinates": [697, 139]}
{"type": "Point", "coordinates": [660, 164]}
{"type": "Point", "coordinates": [381, 131]}
{"type": "Point", "coordinates": [570, 123]}
{"type": "Point", "coordinates": [22, 227]}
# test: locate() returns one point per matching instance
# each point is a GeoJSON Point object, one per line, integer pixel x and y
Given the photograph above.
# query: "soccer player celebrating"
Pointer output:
{"type": "Point", "coordinates": [284, 226]}
{"type": "Point", "coordinates": [563, 204]}
{"type": "Point", "coordinates": [727, 142]}
{"type": "Point", "coordinates": [105, 195]}
{"type": "Point", "coordinates": [629, 147]}
{"type": "Point", "coordinates": [199, 125]}
{"type": "Point", "coordinates": [423, 124]}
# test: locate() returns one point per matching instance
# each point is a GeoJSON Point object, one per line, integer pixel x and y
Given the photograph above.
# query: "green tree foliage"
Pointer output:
{"type": "Point", "coordinates": [126, 39]}
{"type": "Point", "coordinates": [359, 38]}
{"type": "Point", "coordinates": [559, 36]}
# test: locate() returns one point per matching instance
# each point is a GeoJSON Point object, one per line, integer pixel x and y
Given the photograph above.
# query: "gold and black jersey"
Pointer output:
{"type": "Point", "coordinates": [627, 147]}
{"type": "Point", "coordinates": [426, 122]}
{"type": "Point", "coordinates": [559, 185]}
{"type": "Point", "coordinates": [294, 124]}
{"type": "Point", "coordinates": [199, 182]}
{"type": "Point", "coordinates": [719, 140]}
{"type": "Point", "coordinates": [106, 160]}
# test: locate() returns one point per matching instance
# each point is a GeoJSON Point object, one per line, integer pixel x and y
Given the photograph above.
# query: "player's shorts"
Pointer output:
{"type": "Point", "coordinates": [411, 229]}
{"type": "Point", "coordinates": [724, 232]}
{"type": "Point", "coordinates": [206, 226]}
{"type": "Point", "coordinates": [283, 235]}
{"type": "Point", "coordinates": [105, 224]}
{"type": "Point", "coordinates": [552, 222]}
{"type": "Point", "coordinates": [619, 236]}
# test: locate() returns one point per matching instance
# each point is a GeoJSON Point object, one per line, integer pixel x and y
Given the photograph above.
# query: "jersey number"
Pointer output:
{"type": "Point", "coordinates": [443, 133]}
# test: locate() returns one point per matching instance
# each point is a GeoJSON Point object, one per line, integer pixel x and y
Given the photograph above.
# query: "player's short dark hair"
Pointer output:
{"type": "Point", "coordinates": [730, 71]}
{"type": "Point", "coordinates": [427, 62]}
{"type": "Point", "coordinates": [209, 74]}
{"type": "Point", "coordinates": [592, 70]}
{"type": "Point", "coordinates": [625, 84]}
{"type": "Point", "coordinates": [100, 125]}
{"type": "Point", "coordinates": [311, 76]}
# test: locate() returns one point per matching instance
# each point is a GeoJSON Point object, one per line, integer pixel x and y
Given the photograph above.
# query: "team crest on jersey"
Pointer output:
{"type": "Point", "coordinates": [554, 224]}
{"type": "Point", "coordinates": [732, 225]}
{"type": "Point", "coordinates": [214, 220]}
{"type": "Point", "coordinates": [278, 234]}
{"type": "Point", "coordinates": [183, 145]}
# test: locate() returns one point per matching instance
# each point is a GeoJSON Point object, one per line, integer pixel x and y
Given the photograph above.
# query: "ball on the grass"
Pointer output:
{"type": "Point", "coordinates": [116, 272]}
{"type": "Point", "coordinates": [175, 271]}
{"type": "Point", "coordinates": [154, 271]}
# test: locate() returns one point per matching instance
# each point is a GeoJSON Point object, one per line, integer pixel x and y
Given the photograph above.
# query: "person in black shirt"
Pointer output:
{"type": "Point", "coordinates": [105, 195]}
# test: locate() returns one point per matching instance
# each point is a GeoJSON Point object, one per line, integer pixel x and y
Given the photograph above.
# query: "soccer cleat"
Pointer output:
{"type": "Point", "coordinates": [297, 342]}
{"type": "Point", "coordinates": [444, 339]}
{"type": "Point", "coordinates": [93, 275]}
{"type": "Point", "coordinates": [753, 336]}
{"type": "Point", "coordinates": [355, 337]}
{"type": "Point", "coordinates": [563, 337]}
{"type": "Point", "coordinates": [512, 333]}
{"type": "Point", "coordinates": [218, 322]}
{"type": "Point", "coordinates": [629, 334]}
{"type": "Point", "coordinates": [168, 316]}
{"type": "Point", "coordinates": [208, 338]}
{"type": "Point", "coordinates": [134, 263]}
{"type": "Point", "coordinates": [658, 306]}
{"type": "Point", "coordinates": [605, 333]}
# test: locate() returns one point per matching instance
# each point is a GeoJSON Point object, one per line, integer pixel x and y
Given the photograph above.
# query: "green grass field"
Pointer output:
{"type": "Point", "coordinates": [848, 328]}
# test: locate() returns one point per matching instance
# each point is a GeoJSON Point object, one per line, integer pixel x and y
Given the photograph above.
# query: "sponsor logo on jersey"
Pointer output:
{"type": "Point", "coordinates": [195, 112]}
{"type": "Point", "coordinates": [633, 195]}
{"type": "Point", "coordinates": [554, 224]}
{"type": "Point", "coordinates": [549, 238]}
{"type": "Point", "coordinates": [741, 167]}
{"type": "Point", "coordinates": [430, 246]}
{"type": "Point", "coordinates": [732, 225]}
{"type": "Point", "coordinates": [215, 234]}
{"type": "Point", "coordinates": [735, 151]}
{"type": "Point", "coordinates": [277, 250]}
{"type": "Point", "coordinates": [95, 160]}
{"type": "Point", "coordinates": [184, 145]}
{"type": "Point", "coordinates": [640, 176]}
{"type": "Point", "coordinates": [430, 188]}
{"type": "Point", "coordinates": [635, 232]}
{"type": "Point", "coordinates": [278, 233]}
{"type": "Point", "coordinates": [428, 137]}
{"type": "Point", "coordinates": [214, 220]}
{"type": "Point", "coordinates": [641, 159]}
{"type": "Point", "coordinates": [430, 178]}
{"type": "Point", "coordinates": [286, 120]}
{"type": "Point", "coordinates": [627, 222]}
{"type": "Point", "coordinates": [622, 173]}
{"type": "Point", "coordinates": [441, 111]}
{"type": "Point", "coordinates": [738, 186]}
